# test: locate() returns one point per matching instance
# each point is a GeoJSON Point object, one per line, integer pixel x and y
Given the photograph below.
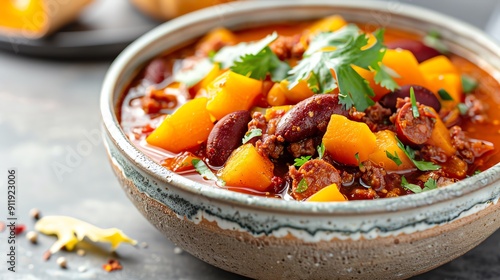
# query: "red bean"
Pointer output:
{"type": "Point", "coordinates": [411, 130]}
{"type": "Point", "coordinates": [422, 95]}
{"type": "Point", "coordinates": [226, 136]}
{"type": "Point", "coordinates": [419, 49]}
{"type": "Point", "coordinates": [309, 117]}
{"type": "Point", "coordinates": [156, 70]}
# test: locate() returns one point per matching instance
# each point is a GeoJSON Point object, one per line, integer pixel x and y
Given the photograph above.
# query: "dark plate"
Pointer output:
{"type": "Point", "coordinates": [104, 29]}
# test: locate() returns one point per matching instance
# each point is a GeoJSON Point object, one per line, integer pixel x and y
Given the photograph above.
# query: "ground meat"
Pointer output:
{"type": "Point", "coordinates": [468, 149]}
{"type": "Point", "coordinates": [286, 47]}
{"type": "Point", "coordinates": [258, 122]}
{"type": "Point", "coordinates": [477, 109]}
{"type": "Point", "coordinates": [317, 174]}
{"type": "Point", "coordinates": [156, 100]}
{"type": "Point", "coordinates": [306, 147]}
{"type": "Point", "coordinates": [360, 193]}
{"type": "Point", "coordinates": [373, 175]}
{"type": "Point", "coordinates": [439, 176]}
{"type": "Point", "coordinates": [270, 146]}
{"type": "Point", "coordinates": [377, 118]}
{"type": "Point", "coordinates": [432, 153]}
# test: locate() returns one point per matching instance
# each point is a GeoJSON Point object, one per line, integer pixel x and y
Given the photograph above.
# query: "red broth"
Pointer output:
{"type": "Point", "coordinates": [138, 123]}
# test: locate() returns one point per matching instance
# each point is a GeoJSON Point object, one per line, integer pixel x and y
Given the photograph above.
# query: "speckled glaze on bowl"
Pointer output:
{"type": "Point", "coordinates": [274, 239]}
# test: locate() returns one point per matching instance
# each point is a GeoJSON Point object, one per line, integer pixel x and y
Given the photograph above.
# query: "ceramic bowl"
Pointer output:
{"type": "Point", "coordinates": [275, 239]}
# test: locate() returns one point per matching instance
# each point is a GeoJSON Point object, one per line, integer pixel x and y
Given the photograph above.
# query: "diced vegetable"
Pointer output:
{"type": "Point", "coordinates": [247, 168]}
{"type": "Point", "coordinates": [404, 63]}
{"type": "Point", "coordinates": [272, 110]}
{"type": "Point", "coordinates": [370, 77]}
{"type": "Point", "coordinates": [440, 73]}
{"type": "Point", "coordinates": [440, 136]}
{"type": "Point", "coordinates": [231, 92]}
{"type": "Point", "coordinates": [298, 93]}
{"type": "Point", "coordinates": [327, 194]}
{"type": "Point", "coordinates": [187, 127]}
{"type": "Point", "coordinates": [328, 24]}
{"type": "Point", "coordinates": [276, 96]}
{"type": "Point", "coordinates": [387, 143]}
{"type": "Point", "coordinates": [215, 37]}
{"type": "Point", "coordinates": [203, 84]}
{"type": "Point", "coordinates": [345, 138]}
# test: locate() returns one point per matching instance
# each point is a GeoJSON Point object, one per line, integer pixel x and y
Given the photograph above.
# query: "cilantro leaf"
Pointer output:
{"type": "Point", "coordinates": [302, 186]}
{"type": "Point", "coordinates": [476, 172]}
{"type": "Point", "coordinates": [251, 134]}
{"type": "Point", "coordinates": [338, 51]}
{"type": "Point", "coordinates": [321, 150]}
{"type": "Point", "coordinates": [360, 164]}
{"type": "Point", "coordinates": [433, 40]}
{"type": "Point", "coordinates": [205, 172]}
{"type": "Point", "coordinates": [229, 54]}
{"type": "Point", "coordinates": [431, 184]}
{"type": "Point", "coordinates": [469, 84]}
{"type": "Point", "coordinates": [414, 107]}
{"type": "Point", "coordinates": [257, 66]}
{"type": "Point", "coordinates": [463, 108]}
{"type": "Point", "coordinates": [420, 164]}
{"type": "Point", "coordinates": [412, 187]}
{"type": "Point", "coordinates": [192, 76]}
{"type": "Point", "coordinates": [300, 161]}
{"type": "Point", "coordinates": [394, 157]}
{"type": "Point", "coordinates": [445, 95]}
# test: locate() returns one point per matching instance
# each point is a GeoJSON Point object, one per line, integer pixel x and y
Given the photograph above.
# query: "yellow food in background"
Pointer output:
{"type": "Point", "coordinates": [167, 9]}
{"type": "Point", "coordinates": [37, 18]}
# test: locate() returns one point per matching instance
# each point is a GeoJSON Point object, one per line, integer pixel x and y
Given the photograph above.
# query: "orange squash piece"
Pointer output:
{"type": "Point", "coordinates": [298, 93]}
{"type": "Point", "coordinates": [231, 92]}
{"type": "Point", "coordinates": [215, 36]}
{"type": "Point", "coordinates": [327, 194]}
{"type": "Point", "coordinates": [329, 24]}
{"type": "Point", "coordinates": [404, 63]}
{"type": "Point", "coordinates": [276, 96]}
{"type": "Point", "coordinates": [345, 138]}
{"type": "Point", "coordinates": [386, 141]}
{"type": "Point", "coordinates": [440, 136]}
{"type": "Point", "coordinates": [187, 127]}
{"type": "Point", "coordinates": [370, 77]}
{"type": "Point", "coordinates": [272, 110]}
{"type": "Point", "coordinates": [247, 168]}
{"type": "Point", "coordinates": [440, 73]}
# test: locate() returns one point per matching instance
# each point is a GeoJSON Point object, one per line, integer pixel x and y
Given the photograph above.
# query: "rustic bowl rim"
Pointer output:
{"type": "Point", "coordinates": [147, 165]}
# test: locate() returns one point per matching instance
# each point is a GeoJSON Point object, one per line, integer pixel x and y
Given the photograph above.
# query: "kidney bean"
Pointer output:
{"type": "Point", "coordinates": [309, 117]}
{"type": "Point", "coordinates": [421, 51]}
{"type": "Point", "coordinates": [156, 70]}
{"type": "Point", "coordinates": [422, 95]}
{"type": "Point", "coordinates": [226, 136]}
{"type": "Point", "coordinates": [411, 130]}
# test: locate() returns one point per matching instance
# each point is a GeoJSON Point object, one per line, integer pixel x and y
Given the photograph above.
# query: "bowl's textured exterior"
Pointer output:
{"type": "Point", "coordinates": [274, 239]}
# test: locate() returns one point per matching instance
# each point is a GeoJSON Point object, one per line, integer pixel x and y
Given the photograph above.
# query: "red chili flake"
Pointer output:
{"type": "Point", "coordinates": [112, 265]}
{"type": "Point", "coordinates": [19, 229]}
{"type": "Point", "coordinates": [2, 226]}
{"type": "Point", "coordinates": [46, 256]}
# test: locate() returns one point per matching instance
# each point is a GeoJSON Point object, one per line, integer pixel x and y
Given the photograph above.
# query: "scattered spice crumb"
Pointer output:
{"type": "Point", "coordinates": [46, 255]}
{"type": "Point", "coordinates": [80, 252]}
{"type": "Point", "coordinates": [35, 213]}
{"type": "Point", "coordinates": [2, 226]}
{"type": "Point", "coordinates": [144, 245]}
{"type": "Point", "coordinates": [62, 262]}
{"type": "Point", "coordinates": [112, 265]}
{"type": "Point", "coordinates": [32, 236]}
{"type": "Point", "coordinates": [178, 250]}
{"type": "Point", "coordinates": [82, 268]}
{"type": "Point", "coordinates": [19, 229]}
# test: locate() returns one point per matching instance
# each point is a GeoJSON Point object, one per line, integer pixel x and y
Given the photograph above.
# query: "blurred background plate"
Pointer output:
{"type": "Point", "coordinates": [103, 29]}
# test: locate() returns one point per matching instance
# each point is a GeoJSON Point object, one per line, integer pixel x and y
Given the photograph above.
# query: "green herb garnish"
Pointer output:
{"type": "Point", "coordinates": [302, 186]}
{"type": "Point", "coordinates": [321, 150]}
{"type": "Point", "coordinates": [301, 160]}
{"type": "Point", "coordinates": [445, 95]}
{"type": "Point", "coordinates": [431, 184]}
{"type": "Point", "coordinates": [360, 164]}
{"type": "Point", "coordinates": [469, 84]}
{"type": "Point", "coordinates": [420, 164]}
{"type": "Point", "coordinates": [462, 108]}
{"type": "Point", "coordinates": [251, 134]}
{"type": "Point", "coordinates": [414, 107]}
{"type": "Point", "coordinates": [412, 187]}
{"type": "Point", "coordinates": [394, 157]}
{"type": "Point", "coordinates": [228, 55]}
{"type": "Point", "coordinates": [338, 51]}
{"type": "Point", "coordinates": [433, 40]}
{"type": "Point", "coordinates": [205, 172]}
{"type": "Point", "coordinates": [257, 66]}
